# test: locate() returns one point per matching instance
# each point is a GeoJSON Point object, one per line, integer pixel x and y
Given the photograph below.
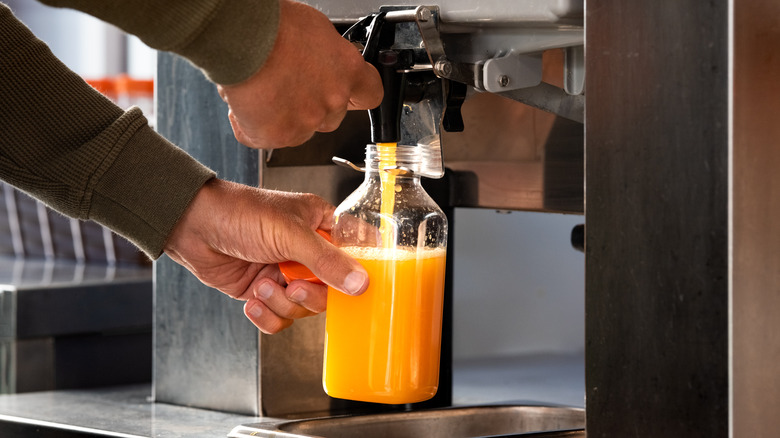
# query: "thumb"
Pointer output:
{"type": "Point", "coordinates": [329, 264]}
{"type": "Point", "coordinates": [367, 91]}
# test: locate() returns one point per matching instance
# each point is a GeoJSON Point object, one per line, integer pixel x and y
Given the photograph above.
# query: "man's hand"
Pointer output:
{"type": "Point", "coordinates": [307, 84]}
{"type": "Point", "coordinates": [232, 236]}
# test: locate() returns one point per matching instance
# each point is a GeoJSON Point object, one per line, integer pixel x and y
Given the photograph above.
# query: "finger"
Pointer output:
{"type": "Point", "coordinates": [367, 91]}
{"type": "Point", "coordinates": [333, 266]}
{"type": "Point", "coordinates": [332, 121]}
{"type": "Point", "coordinates": [326, 215]}
{"type": "Point", "coordinates": [241, 137]}
{"type": "Point", "coordinates": [309, 295]}
{"type": "Point", "coordinates": [287, 130]}
{"type": "Point", "coordinates": [275, 299]}
{"type": "Point", "coordinates": [263, 318]}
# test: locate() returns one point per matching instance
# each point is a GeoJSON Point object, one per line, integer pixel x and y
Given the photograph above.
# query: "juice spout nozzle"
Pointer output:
{"type": "Point", "coordinates": [386, 118]}
{"type": "Point", "coordinates": [377, 37]}
{"type": "Point", "coordinates": [415, 99]}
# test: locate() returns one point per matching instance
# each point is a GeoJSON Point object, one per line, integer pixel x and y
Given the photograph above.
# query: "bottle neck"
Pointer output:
{"type": "Point", "coordinates": [401, 161]}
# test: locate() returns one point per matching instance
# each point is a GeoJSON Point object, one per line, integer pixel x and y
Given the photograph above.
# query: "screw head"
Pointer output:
{"type": "Point", "coordinates": [423, 14]}
{"type": "Point", "coordinates": [443, 68]}
{"type": "Point", "coordinates": [503, 80]}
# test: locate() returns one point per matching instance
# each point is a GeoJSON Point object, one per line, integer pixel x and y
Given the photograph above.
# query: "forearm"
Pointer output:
{"type": "Point", "coordinates": [67, 145]}
{"type": "Point", "coordinates": [228, 39]}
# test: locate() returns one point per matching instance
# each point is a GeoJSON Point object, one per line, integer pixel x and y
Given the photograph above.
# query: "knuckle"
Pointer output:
{"type": "Point", "coordinates": [278, 136]}
{"type": "Point", "coordinates": [337, 100]}
{"type": "Point", "coordinates": [275, 327]}
{"type": "Point", "coordinates": [327, 263]}
{"type": "Point", "coordinates": [273, 323]}
{"type": "Point", "coordinates": [265, 319]}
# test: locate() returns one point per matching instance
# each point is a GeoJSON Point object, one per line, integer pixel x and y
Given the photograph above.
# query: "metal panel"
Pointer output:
{"type": "Point", "coordinates": [66, 325]}
{"type": "Point", "coordinates": [484, 12]}
{"type": "Point", "coordinates": [206, 352]}
{"type": "Point", "coordinates": [756, 230]}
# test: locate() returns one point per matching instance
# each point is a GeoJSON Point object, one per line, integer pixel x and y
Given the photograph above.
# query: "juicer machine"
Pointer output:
{"type": "Point", "coordinates": [452, 53]}
{"type": "Point", "coordinates": [680, 249]}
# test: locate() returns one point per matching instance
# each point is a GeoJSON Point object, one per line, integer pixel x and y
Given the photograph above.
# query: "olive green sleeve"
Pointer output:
{"type": "Point", "coordinates": [67, 145]}
{"type": "Point", "coordinates": [227, 39]}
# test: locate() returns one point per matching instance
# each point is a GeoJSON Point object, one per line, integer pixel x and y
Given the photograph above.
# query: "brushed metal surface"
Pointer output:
{"type": "Point", "coordinates": [66, 325]}
{"type": "Point", "coordinates": [477, 421]}
{"type": "Point", "coordinates": [484, 12]}
{"type": "Point", "coordinates": [552, 380]}
{"type": "Point", "coordinates": [205, 351]}
{"type": "Point", "coordinates": [755, 228]}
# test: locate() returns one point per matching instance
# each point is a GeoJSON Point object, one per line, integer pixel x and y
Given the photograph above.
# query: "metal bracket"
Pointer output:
{"type": "Point", "coordinates": [516, 75]}
{"type": "Point", "coordinates": [511, 72]}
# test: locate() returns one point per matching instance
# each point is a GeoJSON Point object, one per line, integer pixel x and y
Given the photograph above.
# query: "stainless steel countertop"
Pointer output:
{"type": "Point", "coordinates": [121, 411]}
{"type": "Point", "coordinates": [556, 379]}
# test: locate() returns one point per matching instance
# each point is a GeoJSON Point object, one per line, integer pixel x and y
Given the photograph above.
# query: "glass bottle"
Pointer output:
{"type": "Point", "coordinates": [384, 345]}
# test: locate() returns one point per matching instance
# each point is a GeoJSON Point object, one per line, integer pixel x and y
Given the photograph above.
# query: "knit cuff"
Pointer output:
{"type": "Point", "coordinates": [147, 188]}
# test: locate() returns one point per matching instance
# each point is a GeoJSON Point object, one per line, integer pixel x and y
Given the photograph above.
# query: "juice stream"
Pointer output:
{"type": "Point", "coordinates": [386, 160]}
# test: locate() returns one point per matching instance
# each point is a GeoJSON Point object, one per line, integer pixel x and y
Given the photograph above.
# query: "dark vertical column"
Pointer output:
{"type": "Point", "coordinates": [657, 322]}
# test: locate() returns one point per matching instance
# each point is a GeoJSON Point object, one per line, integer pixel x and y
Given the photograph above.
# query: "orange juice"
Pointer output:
{"type": "Point", "coordinates": [383, 346]}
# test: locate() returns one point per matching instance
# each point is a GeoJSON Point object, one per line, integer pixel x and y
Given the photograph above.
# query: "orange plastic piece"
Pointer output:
{"type": "Point", "coordinates": [295, 271]}
{"type": "Point", "coordinates": [131, 86]}
{"type": "Point", "coordinates": [106, 86]}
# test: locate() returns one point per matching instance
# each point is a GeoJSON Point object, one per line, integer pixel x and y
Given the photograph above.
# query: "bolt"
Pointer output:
{"type": "Point", "coordinates": [423, 14]}
{"type": "Point", "coordinates": [443, 68]}
{"type": "Point", "coordinates": [503, 80]}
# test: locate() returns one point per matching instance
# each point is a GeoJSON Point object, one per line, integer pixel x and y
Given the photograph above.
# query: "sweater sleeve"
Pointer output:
{"type": "Point", "coordinates": [67, 145]}
{"type": "Point", "coordinates": [227, 39]}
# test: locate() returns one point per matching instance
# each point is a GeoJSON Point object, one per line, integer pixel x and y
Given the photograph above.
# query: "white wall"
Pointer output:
{"type": "Point", "coordinates": [519, 286]}
{"type": "Point", "coordinates": [85, 44]}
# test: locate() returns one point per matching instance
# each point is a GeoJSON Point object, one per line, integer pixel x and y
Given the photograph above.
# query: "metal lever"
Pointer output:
{"type": "Point", "coordinates": [395, 170]}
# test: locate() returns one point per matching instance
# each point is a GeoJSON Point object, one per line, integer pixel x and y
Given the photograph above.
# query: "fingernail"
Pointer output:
{"type": "Point", "coordinates": [354, 282]}
{"type": "Point", "coordinates": [254, 310]}
{"type": "Point", "coordinates": [298, 295]}
{"type": "Point", "coordinates": [265, 291]}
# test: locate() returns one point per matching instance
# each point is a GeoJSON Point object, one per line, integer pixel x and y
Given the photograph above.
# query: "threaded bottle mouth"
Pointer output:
{"type": "Point", "coordinates": [401, 159]}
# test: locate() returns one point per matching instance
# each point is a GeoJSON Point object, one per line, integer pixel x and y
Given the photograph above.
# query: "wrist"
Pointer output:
{"type": "Point", "coordinates": [193, 223]}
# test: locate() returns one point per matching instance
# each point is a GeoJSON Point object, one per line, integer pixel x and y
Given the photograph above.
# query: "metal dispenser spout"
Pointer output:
{"type": "Point", "coordinates": [392, 65]}
{"type": "Point", "coordinates": [414, 106]}
{"type": "Point", "coordinates": [425, 86]}
{"type": "Point", "coordinates": [386, 118]}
